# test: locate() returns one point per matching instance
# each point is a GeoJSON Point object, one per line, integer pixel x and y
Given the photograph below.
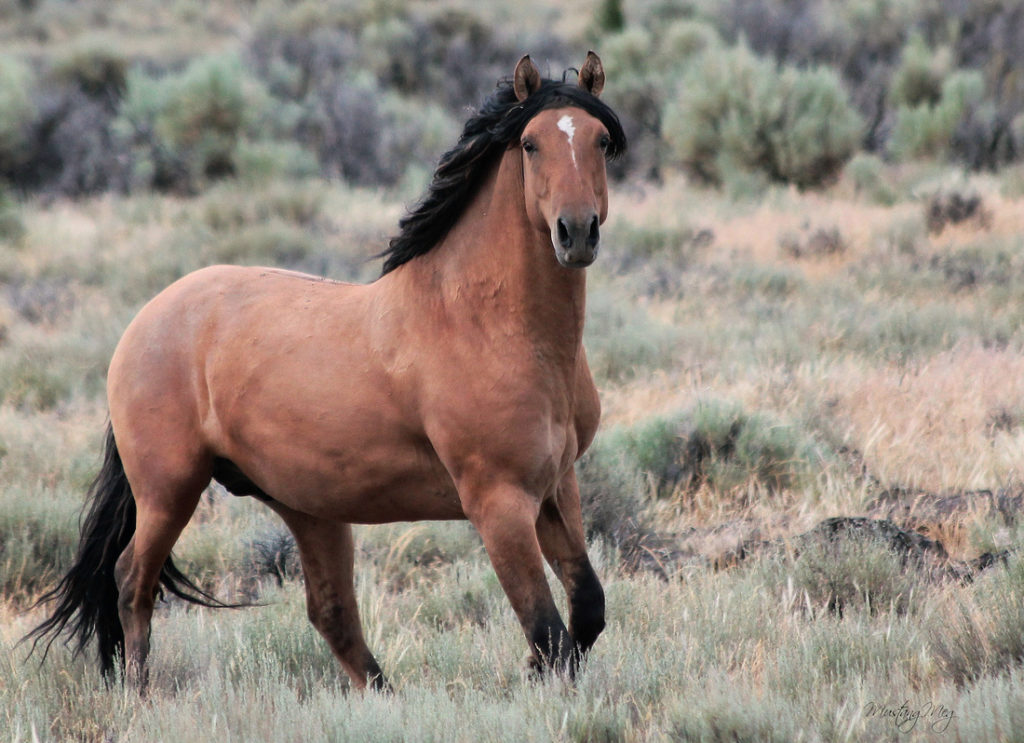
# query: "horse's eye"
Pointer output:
{"type": "Point", "coordinates": [529, 147]}
{"type": "Point", "coordinates": [604, 142]}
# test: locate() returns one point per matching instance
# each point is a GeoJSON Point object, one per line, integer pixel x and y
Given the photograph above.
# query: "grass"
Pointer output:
{"type": "Point", "coordinates": [675, 660]}
{"type": "Point", "coordinates": [808, 382]}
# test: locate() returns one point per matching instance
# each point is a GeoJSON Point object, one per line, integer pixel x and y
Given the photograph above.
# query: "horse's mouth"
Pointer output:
{"type": "Point", "coordinates": [572, 259]}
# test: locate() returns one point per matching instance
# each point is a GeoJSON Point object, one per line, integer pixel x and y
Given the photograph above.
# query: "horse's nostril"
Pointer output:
{"type": "Point", "coordinates": [564, 237]}
{"type": "Point", "coordinates": [594, 236]}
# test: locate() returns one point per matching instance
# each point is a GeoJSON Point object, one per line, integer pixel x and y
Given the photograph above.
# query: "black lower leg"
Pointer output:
{"type": "Point", "coordinates": [552, 645]}
{"type": "Point", "coordinates": [586, 607]}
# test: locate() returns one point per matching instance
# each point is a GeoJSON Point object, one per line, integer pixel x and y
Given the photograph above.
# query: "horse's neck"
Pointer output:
{"type": "Point", "coordinates": [495, 265]}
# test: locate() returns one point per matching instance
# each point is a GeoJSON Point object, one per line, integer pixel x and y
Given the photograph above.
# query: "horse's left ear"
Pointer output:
{"type": "Point", "coordinates": [592, 75]}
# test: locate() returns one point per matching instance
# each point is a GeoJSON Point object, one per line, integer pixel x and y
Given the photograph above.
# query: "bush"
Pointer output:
{"type": "Point", "coordinates": [265, 160]}
{"type": "Point", "coordinates": [854, 570]}
{"type": "Point", "coordinates": [636, 96]}
{"type": "Point", "coordinates": [717, 444]}
{"type": "Point", "coordinates": [867, 173]}
{"type": "Point", "coordinates": [78, 152]}
{"type": "Point", "coordinates": [368, 137]}
{"type": "Point", "coordinates": [927, 129]}
{"type": "Point", "coordinates": [96, 67]}
{"type": "Point", "coordinates": [738, 113]}
{"type": "Point", "coordinates": [918, 79]}
{"type": "Point", "coordinates": [17, 110]}
{"type": "Point", "coordinates": [186, 128]}
{"type": "Point", "coordinates": [610, 493]}
{"type": "Point", "coordinates": [610, 16]}
{"type": "Point", "coordinates": [65, 141]}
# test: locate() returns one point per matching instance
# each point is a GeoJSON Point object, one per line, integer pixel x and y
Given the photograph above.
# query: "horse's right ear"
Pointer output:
{"type": "Point", "coordinates": [526, 79]}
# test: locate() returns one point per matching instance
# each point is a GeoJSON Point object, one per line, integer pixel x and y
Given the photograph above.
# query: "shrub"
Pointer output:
{"type": "Point", "coordinates": [738, 112]}
{"type": "Point", "coordinates": [610, 492]}
{"type": "Point", "coordinates": [273, 554]}
{"type": "Point", "coordinates": [265, 160]}
{"type": "Point", "coordinates": [79, 153]}
{"type": "Point", "coordinates": [636, 96]}
{"type": "Point", "coordinates": [186, 128]}
{"type": "Point", "coordinates": [684, 40]}
{"type": "Point", "coordinates": [716, 444]}
{"type": "Point", "coordinates": [610, 16]}
{"type": "Point", "coordinates": [819, 130]}
{"type": "Point", "coordinates": [854, 569]}
{"type": "Point", "coordinates": [927, 129]}
{"type": "Point", "coordinates": [953, 206]}
{"type": "Point", "coordinates": [866, 172]}
{"type": "Point", "coordinates": [812, 243]}
{"type": "Point", "coordinates": [987, 137]}
{"type": "Point", "coordinates": [918, 79]}
{"type": "Point", "coordinates": [369, 137]}
{"type": "Point", "coordinates": [17, 111]}
{"type": "Point", "coordinates": [95, 66]}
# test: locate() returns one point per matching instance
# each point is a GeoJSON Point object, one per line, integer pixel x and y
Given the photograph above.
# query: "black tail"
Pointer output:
{"type": "Point", "coordinates": [87, 594]}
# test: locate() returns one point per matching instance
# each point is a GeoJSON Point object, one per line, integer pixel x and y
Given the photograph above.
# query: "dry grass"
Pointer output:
{"type": "Point", "coordinates": [793, 341]}
{"type": "Point", "coordinates": [951, 422]}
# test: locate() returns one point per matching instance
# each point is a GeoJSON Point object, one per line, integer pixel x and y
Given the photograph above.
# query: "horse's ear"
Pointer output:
{"type": "Point", "coordinates": [526, 79]}
{"type": "Point", "coordinates": [592, 75]}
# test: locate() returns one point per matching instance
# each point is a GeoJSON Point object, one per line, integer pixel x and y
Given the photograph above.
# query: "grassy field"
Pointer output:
{"type": "Point", "coordinates": [858, 360]}
{"type": "Point", "coordinates": [768, 359]}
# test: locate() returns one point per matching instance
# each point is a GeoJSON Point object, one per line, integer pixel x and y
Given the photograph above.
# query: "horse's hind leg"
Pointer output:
{"type": "Point", "coordinates": [162, 513]}
{"type": "Point", "coordinates": [560, 532]}
{"type": "Point", "coordinates": [327, 553]}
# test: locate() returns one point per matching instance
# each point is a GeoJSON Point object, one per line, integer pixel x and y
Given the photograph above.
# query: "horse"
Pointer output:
{"type": "Point", "coordinates": [455, 386]}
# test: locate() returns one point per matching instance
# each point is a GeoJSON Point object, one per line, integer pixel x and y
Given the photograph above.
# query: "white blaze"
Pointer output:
{"type": "Point", "coordinates": [566, 125]}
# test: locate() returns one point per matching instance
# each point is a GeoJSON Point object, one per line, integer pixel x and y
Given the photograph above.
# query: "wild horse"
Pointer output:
{"type": "Point", "coordinates": [455, 386]}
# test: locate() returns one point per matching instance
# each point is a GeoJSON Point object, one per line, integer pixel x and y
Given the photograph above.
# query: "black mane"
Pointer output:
{"type": "Point", "coordinates": [497, 125]}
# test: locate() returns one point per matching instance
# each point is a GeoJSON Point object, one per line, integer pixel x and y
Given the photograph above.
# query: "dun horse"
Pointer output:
{"type": "Point", "coordinates": [455, 386]}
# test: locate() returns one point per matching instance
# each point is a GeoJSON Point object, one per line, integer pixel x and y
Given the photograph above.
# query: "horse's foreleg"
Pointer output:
{"type": "Point", "coordinates": [506, 519]}
{"type": "Point", "coordinates": [560, 533]}
{"type": "Point", "coordinates": [327, 553]}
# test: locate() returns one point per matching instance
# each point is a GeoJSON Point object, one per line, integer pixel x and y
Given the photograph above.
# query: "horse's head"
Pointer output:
{"type": "Point", "coordinates": [563, 151]}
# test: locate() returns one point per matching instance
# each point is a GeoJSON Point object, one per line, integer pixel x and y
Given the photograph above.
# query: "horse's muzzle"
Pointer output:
{"type": "Point", "coordinates": [576, 241]}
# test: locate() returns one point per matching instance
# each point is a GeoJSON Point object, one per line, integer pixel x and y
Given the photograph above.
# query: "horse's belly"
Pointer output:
{"type": "Point", "coordinates": [377, 482]}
